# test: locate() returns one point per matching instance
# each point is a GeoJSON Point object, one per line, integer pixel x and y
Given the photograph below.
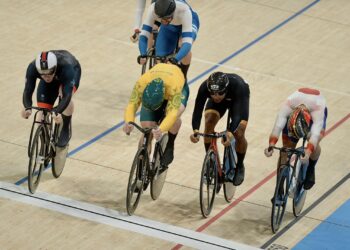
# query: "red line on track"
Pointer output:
{"type": "Point", "coordinates": [253, 189]}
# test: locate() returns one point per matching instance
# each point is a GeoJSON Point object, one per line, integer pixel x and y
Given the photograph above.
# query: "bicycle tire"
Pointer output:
{"type": "Point", "coordinates": [137, 177]}
{"type": "Point", "coordinates": [279, 205]}
{"type": "Point", "coordinates": [300, 193]}
{"type": "Point", "coordinates": [208, 183]}
{"type": "Point", "coordinates": [229, 188]}
{"type": "Point", "coordinates": [157, 180]}
{"type": "Point", "coordinates": [59, 161]}
{"type": "Point", "coordinates": [36, 159]}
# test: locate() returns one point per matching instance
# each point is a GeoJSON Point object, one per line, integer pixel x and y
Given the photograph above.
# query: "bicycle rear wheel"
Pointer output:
{"type": "Point", "coordinates": [36, 159]}
{"type": "Point", "coordinates": [279, 202]}
{"type": "Point", "coordinates": [136, 180]}
{"type": "Point", "coordinates": [300, 192]}
{"type": "Point", "coordinates": [158, 179]}
{"type": "Point", "coordinates": [208, 183]}
{"type": "Point", "coordinates": [229, 188]}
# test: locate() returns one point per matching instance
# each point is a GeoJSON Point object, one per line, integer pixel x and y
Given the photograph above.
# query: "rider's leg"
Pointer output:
{"type": "Point", "coordinates": [241, 149]}
{"type": "Point", "coordinates": [168, 156]}
{"type": "Point", "coordinates": [185, 63]}
{"type": "Point", "coordinates": [147, 124]}
{"type": "Point", "coordinates": [310, 173]}
{"type": "Point", "coordinates": [211, 119]}
{"type": "Point", "coordinates": [66, 131]}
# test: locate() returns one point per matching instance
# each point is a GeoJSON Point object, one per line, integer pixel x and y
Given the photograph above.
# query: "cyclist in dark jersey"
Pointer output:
{"type": "Point", "coordinates": [221, 92]}
{"type": "Point", "coordinates": [59, 74]}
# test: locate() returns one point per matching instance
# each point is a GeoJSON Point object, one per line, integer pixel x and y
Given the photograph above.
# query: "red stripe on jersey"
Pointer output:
{"type": "Point", "coordinates": [309, 91]}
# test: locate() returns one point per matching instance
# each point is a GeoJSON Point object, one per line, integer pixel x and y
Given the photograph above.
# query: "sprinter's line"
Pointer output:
{"type": "Point", "coordinates": [117, 219]}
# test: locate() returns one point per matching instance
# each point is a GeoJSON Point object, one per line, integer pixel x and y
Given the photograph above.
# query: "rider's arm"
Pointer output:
{"type": "Point", "coordinates": [172, 110]}
{"type": "Point", "coordinates": [173, 89]}
{"type": "Point", "coordinates": [316, 128]}
{"type": "Point", "coordinates": [280, 122]}
{"type": "Point", "coordinates": [187, 36]}
{"type": "Point", "coordinates": [239, 112]}
{"type": "Point", "coordinates": [68, 83]}
{"type": "Point", "coordinates": [140, 8]}
{"type": "Point", "coordinates": [146, 30]}
{"type": "Point", "coordinates": [201, 99]}
{"type": "Point", "coordinates": [29, 87]}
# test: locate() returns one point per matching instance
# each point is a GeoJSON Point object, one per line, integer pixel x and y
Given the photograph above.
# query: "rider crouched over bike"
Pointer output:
{"type": "Point", "coordinates": [59, 73]}
{"type": "Point", "coordinates": [225, 92]}
{"type": "Point", "coordinates": [178, 21]}
{"type": "Point", "coordinates": [303, 115]}
{"type": "Point", "coordinates": [163, 94]}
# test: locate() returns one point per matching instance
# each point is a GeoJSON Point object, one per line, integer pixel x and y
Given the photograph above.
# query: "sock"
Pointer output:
{"type": "Point", "coordinates": [240, 159]}
{"type": "Point", "coordinates": [312, 163]}
{"type": "Point", "coordinates": [171, 139]}
{"type": "Point", "coordinates": [66, 122]}
{"type": "Point", "coordinates": [184, 69]}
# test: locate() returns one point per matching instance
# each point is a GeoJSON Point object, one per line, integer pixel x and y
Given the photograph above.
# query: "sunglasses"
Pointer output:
{"type": "Point", "coordinates": [222, 92]}
{"type": "Point", "coordinates": [167, 19]}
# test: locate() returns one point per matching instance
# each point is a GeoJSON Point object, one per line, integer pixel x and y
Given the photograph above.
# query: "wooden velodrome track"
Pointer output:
{"type": "Point", "coordinates": [276, 45]}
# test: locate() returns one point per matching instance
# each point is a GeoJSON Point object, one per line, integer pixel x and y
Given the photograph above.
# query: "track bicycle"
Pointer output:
{"type": "Point", "coordinates": [42, 148]}
{"type": "Point", "coordinates": [144, 172]}
{"type": "Point", "coordinates": [290, 182]}
{"type": "Point", "coordinates": [214, 175]}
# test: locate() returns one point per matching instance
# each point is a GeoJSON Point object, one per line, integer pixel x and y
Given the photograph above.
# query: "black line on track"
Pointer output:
{"type": "Point", "coordinates": [306, 211]}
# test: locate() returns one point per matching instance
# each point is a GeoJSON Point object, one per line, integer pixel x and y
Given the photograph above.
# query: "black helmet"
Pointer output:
{"type": "Point", "coordinates": [217, 83]}
{"type": "Point", "coordinates": [164, 8]}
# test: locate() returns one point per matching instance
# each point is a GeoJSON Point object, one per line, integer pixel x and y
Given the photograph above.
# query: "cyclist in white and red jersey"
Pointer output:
{"type": "Point", "coordinates": [303, 115]}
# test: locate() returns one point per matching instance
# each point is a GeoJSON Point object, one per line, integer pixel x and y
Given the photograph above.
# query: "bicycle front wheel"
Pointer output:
{"type": "Point", "coordinates": [279, 201]}
{"type": "Point", "coordinates": [36, 159]}
{"type": "Point", "coordinates": [208, 183]}
{"type": "Point", "coordinates": [137, 178]}
{"type": "Point", "coordinates": [158, 179]}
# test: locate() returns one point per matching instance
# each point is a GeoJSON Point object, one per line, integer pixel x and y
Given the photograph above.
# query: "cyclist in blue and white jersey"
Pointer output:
{"type": "Point", "coordinates": [178, 21]}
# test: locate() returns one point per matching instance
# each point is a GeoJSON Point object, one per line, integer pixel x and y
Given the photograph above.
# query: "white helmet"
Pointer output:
{"type": "Point", "coordinates": [46, 63]}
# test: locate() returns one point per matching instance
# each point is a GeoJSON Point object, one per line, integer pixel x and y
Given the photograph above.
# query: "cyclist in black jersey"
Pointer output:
{"type": "Point", "coordinates": [59, 74]}
{"type": "Point", "coordinates": [221, 92]}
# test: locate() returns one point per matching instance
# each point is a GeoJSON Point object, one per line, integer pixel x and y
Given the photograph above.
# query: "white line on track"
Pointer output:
{"type": "Point", "coordinates": [117, 219]}
{"type": "Point", "coordinates": [271, 76]}
{"type": "Point", "coordinates": [195, 59]}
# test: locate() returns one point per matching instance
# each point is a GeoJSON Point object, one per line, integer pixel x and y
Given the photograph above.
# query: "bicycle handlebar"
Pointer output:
{"type": "Point", "coordinates": [142, 130]}
{"type": "Point", "coordinates": [297, 151]}
{"type": "Point", "coordinates": [213, 135]}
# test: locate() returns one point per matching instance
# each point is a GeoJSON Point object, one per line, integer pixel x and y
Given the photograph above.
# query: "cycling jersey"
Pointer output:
{"type": "Point", "coordinates": [236, 100]}
{"type": "Point", "coordinates": [67, 76]}
{"type": "Point", "coordinates": [174, 82]}
{"type": "Point", "coordinates": [314, 102]}
{"type": "Point", "coordinates": [185, 23]}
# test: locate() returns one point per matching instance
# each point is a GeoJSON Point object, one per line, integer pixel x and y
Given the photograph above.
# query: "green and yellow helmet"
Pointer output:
{"type": "Point", "coordinates": [153, 95]}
